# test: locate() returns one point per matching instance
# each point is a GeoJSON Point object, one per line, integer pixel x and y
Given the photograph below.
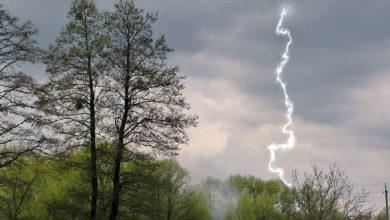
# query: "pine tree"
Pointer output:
{"type": "Point", "coordinates": [71, 96]}
{"type": "Point", "coordinates": [146, 109]}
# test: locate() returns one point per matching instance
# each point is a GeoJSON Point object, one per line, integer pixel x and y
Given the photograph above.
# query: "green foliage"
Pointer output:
{"type": "Point", "coordinates": [37, 187]}
{"type": "Point", "coordinates": [255, 198]}
{"type": "Point", "coordinates": [178, 201]}
{"type": "Point", "coordinates": [246, 209]}
{"type": "Point", "coordinates": [17, 184]}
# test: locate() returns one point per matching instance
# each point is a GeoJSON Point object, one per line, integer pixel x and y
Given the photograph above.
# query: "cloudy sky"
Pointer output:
{"type": "Point", "coordinates": [337, 77]}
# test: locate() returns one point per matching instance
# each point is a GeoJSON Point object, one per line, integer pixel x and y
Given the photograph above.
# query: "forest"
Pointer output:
{"type": "Point", "coordinates": [98, 138]}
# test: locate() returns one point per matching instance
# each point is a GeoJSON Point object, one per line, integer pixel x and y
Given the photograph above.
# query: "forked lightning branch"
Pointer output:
{"type": "Point", "coordinates": [286, 129]}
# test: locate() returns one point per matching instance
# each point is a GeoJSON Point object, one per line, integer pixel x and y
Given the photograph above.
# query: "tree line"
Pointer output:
{"type": "Point", "coordinates": [37, 187]}
{"type": "Point", "coordinates": [97, 139]}
{"type": "Point", "coordinates": [58, 187]}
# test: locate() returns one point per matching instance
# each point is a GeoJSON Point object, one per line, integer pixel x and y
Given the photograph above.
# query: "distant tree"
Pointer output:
{"type": "Point", "coordinates": [328, 195]}
{"type": "Point", "coordinates": [212, 188]}
{"type": "Point", "coordinates": [17, 46]}
{"type": "Point", "coordinates": [246, 209]}
{"type": "Point", "coordinates": [17, 183]}
{"type": "Point", "coordinates": [259, 199]}
{"type": "Point", "coordinates": [194, 207]}
{"type": "Point", "coordinates": [71, 96]}
{"type": "Point", "coordinates": [175, 180]}
{"type": "Point", "coordinates": [146, 109]}
{"type": "Point", "coordinates": [175, 197]}
{"type": "Point", "coordinates": [221, 197]}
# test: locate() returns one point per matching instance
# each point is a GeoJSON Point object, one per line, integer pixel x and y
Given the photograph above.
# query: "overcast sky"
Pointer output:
{"type": "Point", "coordinates": [337, 78]}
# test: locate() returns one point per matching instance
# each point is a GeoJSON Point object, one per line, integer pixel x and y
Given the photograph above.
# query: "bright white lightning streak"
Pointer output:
{"type": "Point", "coordinates": [274, 148]}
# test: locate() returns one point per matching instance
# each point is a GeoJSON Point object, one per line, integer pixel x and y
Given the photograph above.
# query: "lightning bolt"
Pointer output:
{"type": "Point", "coordinates": [289, 144]}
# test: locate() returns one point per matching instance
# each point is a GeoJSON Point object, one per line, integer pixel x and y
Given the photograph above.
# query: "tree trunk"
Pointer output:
{"type": "Point", "coordinates": [118, 161]}
{"type": "Point", "coordinates": [158, 203]}
{"type": "Point", "coordinates": [94, 180]}
{"type": "Point", "coordinates": [170, 194]}
{"type": "Point", "coordinates": [116, 181]}
{"type": "Point", "coordinates": [169, 207]}
{"type": "Point", "coordinates": [121, 137]}
{"type": "Point", "coordinates": [92, 129]}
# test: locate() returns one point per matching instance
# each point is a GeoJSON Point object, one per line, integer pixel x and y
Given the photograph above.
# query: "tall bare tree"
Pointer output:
{"type": "Point", "coordinates": [328, 195]}
{"type": "Point", "coordinates": [71, 96]}
{"type": "Point", "coordinates": [17, 46]}
{"type": "Point", "coordinates": [146, 109]}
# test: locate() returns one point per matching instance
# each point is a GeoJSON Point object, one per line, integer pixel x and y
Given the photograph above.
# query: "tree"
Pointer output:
{"type": "Point", "coordinates": [17, 41]}
{"type": "Point", "coordinates": [17, 183]}
{"type": "Point", "coordinates": [175, 181]}
{"type": "Point", "coordinates": [260, 199]}
{"type": "Point", "coordinates": [17, 46]}
{"type": "Point", "coordinates": [245, 208]}
{"type": "Point", "coordinates": [173, 197]}
{"type": "Point", "coordinates": [64, 192]}
{"type": "Point", "coordinates": [212, 188]}
{"type": "Point", "coordinates": [328, 195]}
{"type": "Point", "coordinates": [140, 185]}
{"type": "Point", "coordinates": [221, 197]}
{"type": "Point", "coordinates": [71, 96]}
{"type": "Point", "coordinates": [194, 207]}
{"type": "Point", "coordinates": [146, 109]}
